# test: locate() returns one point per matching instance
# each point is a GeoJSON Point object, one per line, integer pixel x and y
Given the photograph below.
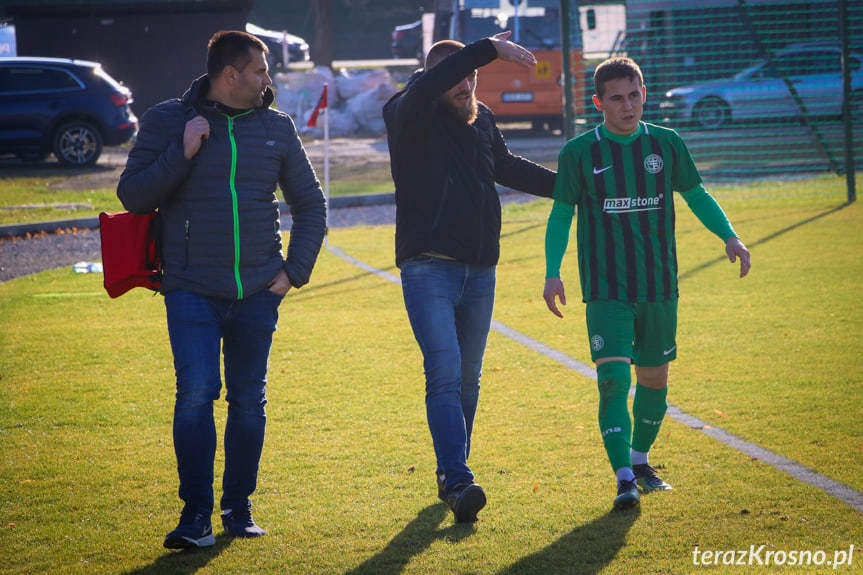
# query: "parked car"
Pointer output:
{"type": "Point", "coordinates": [408, 41]}
{"type": "Point", "coordinates": [760, 92]}
{"type": "Point", "coordinates": [298, 49]}
{"type": "Point", "coordinates": [71, 108]}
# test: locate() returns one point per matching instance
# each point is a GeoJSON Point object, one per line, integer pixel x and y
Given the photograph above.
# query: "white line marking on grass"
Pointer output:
{"type": "Point", "coordinates": [792, 468]}
{"type": "Point", "coordinates": [545, 350]}
{"type": "Point", "coordinates": [364, 266]}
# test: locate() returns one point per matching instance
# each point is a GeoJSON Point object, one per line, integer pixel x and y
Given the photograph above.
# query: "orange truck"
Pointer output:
{"type": "Point", "coordinates": [535, 95]}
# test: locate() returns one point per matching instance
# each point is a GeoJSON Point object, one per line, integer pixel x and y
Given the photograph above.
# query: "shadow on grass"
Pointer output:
{"type": "Point", "coordinates": [415, 538]}
{"type": "Point", "coordinates": [587, 549]}
{"type": "Point", "coordinates": [184, 562]}
{"type": "Point", "coordinates": [763, 240]}
{"type": "Point", "coordinates": [522, 230]}
{"type": "Point", "coordinates": [341, 281]}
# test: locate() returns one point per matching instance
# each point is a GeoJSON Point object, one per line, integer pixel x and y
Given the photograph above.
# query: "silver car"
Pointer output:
{"type": "Point", "coordinates": [759, 92]}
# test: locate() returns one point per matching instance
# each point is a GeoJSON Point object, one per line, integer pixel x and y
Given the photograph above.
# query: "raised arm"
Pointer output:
{"type": "Point", "coordinates": [413, 102]}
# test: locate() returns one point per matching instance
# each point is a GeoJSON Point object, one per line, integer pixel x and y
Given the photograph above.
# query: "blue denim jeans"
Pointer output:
{"type": "Point", "coordinates": [449, 305]}
{"type": "Point", "coordinates": [200, 328]}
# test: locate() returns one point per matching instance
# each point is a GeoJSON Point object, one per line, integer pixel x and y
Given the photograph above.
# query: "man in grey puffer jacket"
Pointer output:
{"type": "Point", "coordinates": [210, 163]}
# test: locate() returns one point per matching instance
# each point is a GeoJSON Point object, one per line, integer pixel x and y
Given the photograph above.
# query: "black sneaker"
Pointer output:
{"type": "Point", "coordinates": [627, 495]}
{"type": "Point", "coordinates": [465, 499]}
{"type": "Point", "coordinates": [239, 523]}
{"type": "Point", "coordinates": [647, 478]}
{"type": "Point", "coordinates": [194, 530]}
{"type": "Point", "coordinates": [441, 487]}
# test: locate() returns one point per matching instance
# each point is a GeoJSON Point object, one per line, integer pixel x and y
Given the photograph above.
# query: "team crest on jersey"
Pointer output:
{"type": "Point", "coordinates": [597, 343]}
{"type": "Point", "coordinates": [653, 163]}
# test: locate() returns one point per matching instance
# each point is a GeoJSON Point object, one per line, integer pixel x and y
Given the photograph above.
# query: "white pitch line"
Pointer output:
{"type": "Point", "coordinates": [797, 471]}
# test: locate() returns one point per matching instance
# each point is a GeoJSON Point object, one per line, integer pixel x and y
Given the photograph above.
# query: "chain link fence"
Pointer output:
{"type": "Point", "coordinates": [756, 87]}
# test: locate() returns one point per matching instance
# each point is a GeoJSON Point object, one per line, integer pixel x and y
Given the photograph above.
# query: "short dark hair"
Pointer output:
{"type": "Point", "coordinates": [613, 68]}
{"type": "Point", "coordinates": [441, 50]}
{"type": "Point", "coordinates": [231, 48]}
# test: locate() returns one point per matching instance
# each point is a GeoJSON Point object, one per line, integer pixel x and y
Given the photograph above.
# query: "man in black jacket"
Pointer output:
{"type": "Point", "coordinates": [446, 154]}
{"type": "Point", "coordinates": [210, 163]}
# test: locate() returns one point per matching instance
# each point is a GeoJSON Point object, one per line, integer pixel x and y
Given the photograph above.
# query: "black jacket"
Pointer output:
{"type": "Point", "coordinates": [445, 170]}
{"type": "Point", "coordinates": [219, 211]}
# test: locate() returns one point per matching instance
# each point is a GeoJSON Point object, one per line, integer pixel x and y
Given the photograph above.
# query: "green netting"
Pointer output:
{"type": "Point", "coordinates": [754, 86]}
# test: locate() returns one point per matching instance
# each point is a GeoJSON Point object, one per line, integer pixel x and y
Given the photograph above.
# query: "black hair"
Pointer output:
{"type": "Point", "coordinates": [613, 68]}
{"type": "Point", "coordinates": [231, 48]}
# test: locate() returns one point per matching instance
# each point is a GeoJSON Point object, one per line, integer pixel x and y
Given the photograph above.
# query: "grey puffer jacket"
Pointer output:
{"type": "Point", "coordinates": [219, 210]}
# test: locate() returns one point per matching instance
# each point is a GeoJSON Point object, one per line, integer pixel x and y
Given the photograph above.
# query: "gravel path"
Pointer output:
{"type": "Point", "coordinates": [20, 257]}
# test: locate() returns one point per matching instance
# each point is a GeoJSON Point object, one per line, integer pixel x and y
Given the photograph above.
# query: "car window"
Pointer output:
{"type": "Point", "coordinates": [809, 63]}
{"type": "Point", "coordinates": [762, 71]}
{"type": "Point", "coordinates": [24, 79]}
{"type": "Point", "coordinates": [100, 73]}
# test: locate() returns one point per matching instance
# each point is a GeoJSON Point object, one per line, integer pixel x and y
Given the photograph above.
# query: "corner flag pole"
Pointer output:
{"type": "Point", "coordinates": [326, 163]}
{"type": "Point", "coordinates": [313, 120]}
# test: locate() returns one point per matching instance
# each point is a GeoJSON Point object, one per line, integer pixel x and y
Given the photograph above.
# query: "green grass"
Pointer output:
{"type": "Point", "coordinates": [345, 181]}
{"type": "Point", "coordinates": [45, 201]}
{"type": "Point", "coordinates": [46, 198]}
{"type": "Point", "coordinates": [87, 474]}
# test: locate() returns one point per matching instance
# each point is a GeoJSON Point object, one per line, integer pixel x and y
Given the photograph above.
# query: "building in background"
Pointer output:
{"type": "Point", "coordinates": [154, 47]}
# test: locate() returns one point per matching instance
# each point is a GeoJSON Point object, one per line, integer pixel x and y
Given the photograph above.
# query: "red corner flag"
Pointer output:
{"type": "Point", "coordinates": [322, 103]}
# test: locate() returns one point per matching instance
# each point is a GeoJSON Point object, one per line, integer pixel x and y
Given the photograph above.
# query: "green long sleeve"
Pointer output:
{"type": "Point", "coordinates": [557, 237]}
{"type": "Point", "coordinates": [706, 209]}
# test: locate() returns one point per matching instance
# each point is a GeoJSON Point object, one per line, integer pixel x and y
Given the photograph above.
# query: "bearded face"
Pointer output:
{"type": "Point", "coordinates": [461, 100]}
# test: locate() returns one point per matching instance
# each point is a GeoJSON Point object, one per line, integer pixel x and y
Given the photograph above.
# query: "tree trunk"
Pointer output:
{"type": "Point", "coordinates": [322, 51]}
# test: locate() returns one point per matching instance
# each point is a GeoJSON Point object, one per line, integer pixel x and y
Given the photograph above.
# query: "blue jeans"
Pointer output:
{"type": "Point", "coordinates": [449, 305]}
{"type": "Point", "coordinates": [199, 328]}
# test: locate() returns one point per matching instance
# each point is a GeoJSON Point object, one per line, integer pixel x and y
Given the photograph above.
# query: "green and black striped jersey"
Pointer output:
{"type": "Point", "coordinates": [622, 188]}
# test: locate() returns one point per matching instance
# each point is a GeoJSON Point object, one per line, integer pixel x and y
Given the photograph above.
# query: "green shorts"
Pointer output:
{"type": "Point", "coordinates": [643, 332]}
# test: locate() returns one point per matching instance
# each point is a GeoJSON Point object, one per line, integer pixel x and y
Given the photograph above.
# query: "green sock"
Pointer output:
{"type": "Point", "coordinates": [648, 411]}
{"type": "Point", "coordinates": [614, 379]}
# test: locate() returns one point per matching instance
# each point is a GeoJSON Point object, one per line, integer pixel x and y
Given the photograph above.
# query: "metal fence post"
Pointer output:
{"type": "Point", "coordinates": [566, 37]}
{"type": "Point", "coordinates": [847, 119]}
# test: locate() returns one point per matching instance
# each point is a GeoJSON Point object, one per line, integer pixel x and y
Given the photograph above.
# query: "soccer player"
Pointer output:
{"type": "Point", "coordinates": [621, 176]}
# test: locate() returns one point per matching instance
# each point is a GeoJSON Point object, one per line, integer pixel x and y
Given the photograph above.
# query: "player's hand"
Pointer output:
{"type": "Point", "coordinates": [735, 248]}
{"type": "Point", "coordinates": [511, 52]}
{"type": "Point", "coordinates": [197, 130]}
{"type": "Point", "coordinates": [554, 289]}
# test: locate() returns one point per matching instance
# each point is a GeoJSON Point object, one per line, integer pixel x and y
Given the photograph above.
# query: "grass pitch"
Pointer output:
{"type": "Point", "coordinates": [87, 475]}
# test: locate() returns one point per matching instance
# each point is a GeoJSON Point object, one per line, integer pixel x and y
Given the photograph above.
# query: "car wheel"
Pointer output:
{"type": "Point", "coordinates": [77, 144]}
{"type": "Point", "coordinates": [711, 113]}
